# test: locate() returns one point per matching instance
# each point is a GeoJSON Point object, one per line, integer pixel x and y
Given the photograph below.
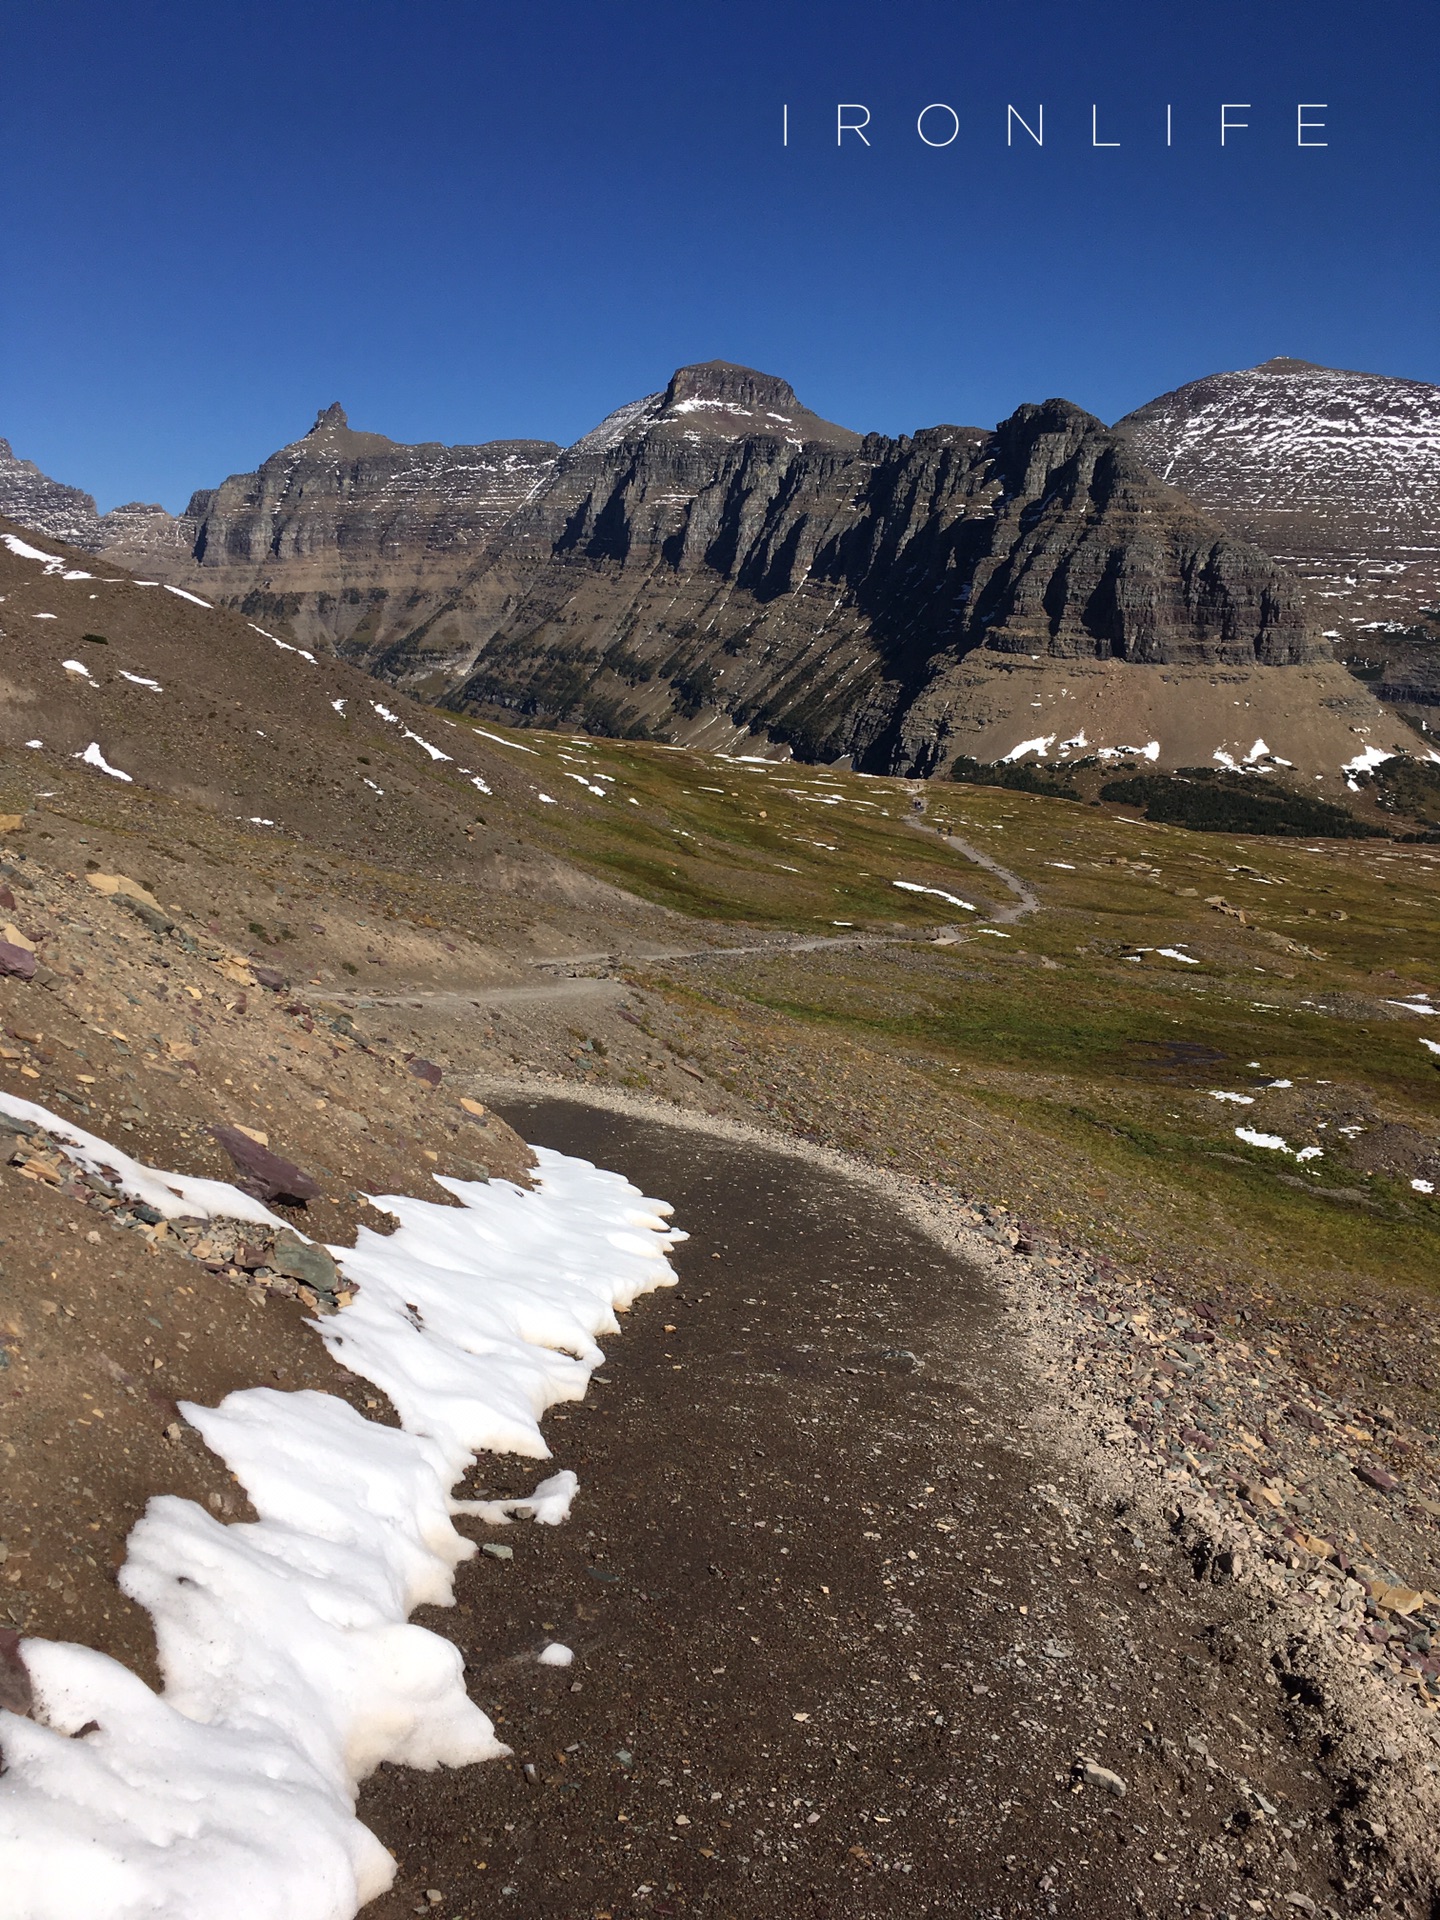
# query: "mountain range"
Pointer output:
{"type": "Point", "coordinates": [716, 563]}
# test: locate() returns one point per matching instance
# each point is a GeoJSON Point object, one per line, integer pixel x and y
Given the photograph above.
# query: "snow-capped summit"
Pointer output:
{"type": "Point", "coordinates": [1333, 472]}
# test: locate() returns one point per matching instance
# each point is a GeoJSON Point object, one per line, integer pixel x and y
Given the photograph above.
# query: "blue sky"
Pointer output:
{"type": "Point", "coordinates": [474, 221]}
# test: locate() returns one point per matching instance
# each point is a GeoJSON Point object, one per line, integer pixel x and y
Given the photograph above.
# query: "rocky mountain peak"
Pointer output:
{"type": "Point", "coordinates": [1337, 474]}
{"type": "Point", "coordinates": [721, 383]}
{"type": "Point", "coordinates": [332, 416]}
{"type": "Point", "coordinates": [1282, 363]}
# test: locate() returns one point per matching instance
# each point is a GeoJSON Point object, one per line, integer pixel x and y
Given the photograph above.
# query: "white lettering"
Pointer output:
{"type": "Point", "coordinates": [1095, 139]}
{"type": "Point", "coordinates": [938, 106]}
{"type": "Point", "coordinates": [844, 126]}
{"type": "Point", "coordinates": [1036, 133]}
{"type": "Point", "coordinates": [1304, 126]}
{"type": "Point", "coordinates": [1232, 126]}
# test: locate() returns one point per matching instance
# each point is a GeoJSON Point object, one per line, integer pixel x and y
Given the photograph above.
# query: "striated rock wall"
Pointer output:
{"type": "Point", "coordinates": [1337, 474]}
{"type": "Point", "coordinates": [717, 562]}
{"type": "Point", "coordinates": [713, 558]}
{"type": "Point", "coordinates": [338, 534]}
{"type": "Point", "coordinates": [32, 499]}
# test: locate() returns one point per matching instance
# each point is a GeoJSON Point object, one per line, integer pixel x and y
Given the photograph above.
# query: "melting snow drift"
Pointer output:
{"type": "Point", "coordinates": [291, 1670]}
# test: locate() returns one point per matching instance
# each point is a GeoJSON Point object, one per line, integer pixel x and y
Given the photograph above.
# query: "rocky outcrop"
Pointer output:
{"type": "Point", "coordinates": [1336, 474]}
{"type": "Point", "coordinates": [714, 558]}
{"type": "Point", "coordinates": [716, 562]}
{"type": "Point", "coordinates": [340, 535]}
{"type": "Point", "coordinates": [32, 499]}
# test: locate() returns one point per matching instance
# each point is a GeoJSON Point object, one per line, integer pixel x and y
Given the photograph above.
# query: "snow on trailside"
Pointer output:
{"type": "Point", "coordinates": [291, 1669]}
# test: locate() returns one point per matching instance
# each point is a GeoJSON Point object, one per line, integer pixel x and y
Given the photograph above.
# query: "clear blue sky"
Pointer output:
{"type": "Point", "coordinates": [473, 221]}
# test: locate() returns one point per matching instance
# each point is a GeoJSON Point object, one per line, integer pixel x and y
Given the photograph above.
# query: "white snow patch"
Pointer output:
{"type": "Point", "coordinates": [500, 741]}
{"type": "Point", "coordinates": [1039, 746]}
{"type": "Point", "coordinates": [93, 757]}
{"type": "Point", "coordinates": [44, 616]}
{"type": "Point", "coordinates": [1174, 953]}
{"type": "Point", "coordinates": [34, 743]}
{"type": "Point", "coordinates": [476, 781]}
{"type": "Point", "coordinates": [1431, 1046]}
{"type": "Point", "coordinates": [547, 800]}
{"type": "Point", "coordinates": [995, 933]}
{"type": "Point", "coordinates": [193, 598]}
{"type": "Point", "coordinates": [1240, 1099]}
{"type": "Point", "coordinates": [291, 1669]}
{"type": "Point", "coordinates": [913, 886]}
{"type": "Point", "coordinates": [1275, 1144]}
{"type": "Point", "coordinates": [1419, 1003]}
{"type": "Point", "coordinates": [339, 707]}
{"type": "Point", "coordinates": [434, 752]}
{"type": "Point", "coordinates": [175, 1195]}
{"type": "Point", "coordinates": [370, 783]}
{"type": "Point", "coordinates": [77, 666]}
{"type": "Point", "coordinates": [259, 820]}
{"type": "Point", "coordinates": [548, 1506]}
{"type": "Point", "coordinates": [22, 550]}
{"type": "Point", "coordinates": [284, 645]}
{"type": "Point", "coordinates": [556, 1654]}
{"type": "Point", "coordinates": [1367, 761]}
{"type": "Point", "coordinates": [1423, 1186]}
{"type": "Point", "coordinates": [1151, 751]}
{"type": "Point", "coordinates": [139, 680]}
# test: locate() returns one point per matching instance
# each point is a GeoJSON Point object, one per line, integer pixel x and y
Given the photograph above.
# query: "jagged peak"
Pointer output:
{"type": "Point", "coordinates": [332, 416]}
{"type": "Point", "coordinates": [717, 398]}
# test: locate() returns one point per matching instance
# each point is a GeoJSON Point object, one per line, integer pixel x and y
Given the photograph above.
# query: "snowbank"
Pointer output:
{"type": "Point", "coordinates": [291, 1670]}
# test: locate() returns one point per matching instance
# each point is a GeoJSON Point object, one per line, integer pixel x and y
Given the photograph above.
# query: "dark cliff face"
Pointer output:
{"type": "Point", "coordinates": [341, 534]}
{"type": "Point", "coordinates": [717, 558]}
{"type": "Point", "coordinates": [337, 489]}
{"type": "Point", "coordinates": [715, 551]}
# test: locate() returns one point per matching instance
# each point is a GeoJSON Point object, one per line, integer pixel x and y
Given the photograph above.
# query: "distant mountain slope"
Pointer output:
{"type": "Point", "coordinates": [328, 529]}
{"type": "Point", "coordinates": [711, 562]}
{"type": "Point", "coordinates": [1337, 474]}
{"type": "Point", "coordinates": [32, 499]}
{"type": "Point", "coordinates": [716, 562]}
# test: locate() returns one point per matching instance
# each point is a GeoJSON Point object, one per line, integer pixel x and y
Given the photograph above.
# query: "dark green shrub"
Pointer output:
{"type": "Point", "coordinates": [1211, 800]}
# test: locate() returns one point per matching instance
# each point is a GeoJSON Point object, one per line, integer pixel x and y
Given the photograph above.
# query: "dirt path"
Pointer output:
{"type": "Point", "coordinates": [840, 1640]}
{"type": "Point", "coordinates": [1027, 900]}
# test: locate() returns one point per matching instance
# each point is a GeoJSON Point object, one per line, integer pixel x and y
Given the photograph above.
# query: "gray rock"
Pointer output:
{"type": "Point", "coordinates": [1094, 1775]}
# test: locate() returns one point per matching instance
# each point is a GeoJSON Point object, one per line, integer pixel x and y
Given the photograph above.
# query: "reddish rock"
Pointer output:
{"type": "Point", "coordinates": [427, 1071]}
{"type": "Point", "coordinates": [1377, 1478]}
{"type": "Point", "coordinates": [266, 1175]}
{"type": "Point", "coordinates": [16, 961]}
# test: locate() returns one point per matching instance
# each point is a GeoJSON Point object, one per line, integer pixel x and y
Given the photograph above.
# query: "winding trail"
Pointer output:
{"type": "Point", "coordinates": [838, 1641]}
{"type": "Point", "coordinates": [591, 986]}
{"type": "Point", "coordinates": [1027, 900]}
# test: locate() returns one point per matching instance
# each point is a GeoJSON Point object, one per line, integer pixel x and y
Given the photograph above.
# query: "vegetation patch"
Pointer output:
{"type": "Point", "coordinates": [1019, 777]}
{"type": "Point", "coordinates": [1211, 800]}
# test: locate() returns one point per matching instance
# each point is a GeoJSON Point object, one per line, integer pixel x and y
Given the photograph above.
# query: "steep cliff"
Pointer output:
{"type": "Point", "coordinates": [715, 558]}
{"type": "Point", "coordinates": [338, 534]}
{"type": "Point", "coordinates": [716, 562]}
{"type": "Point", "coordinates": [32, 499]}
{"type": "Point", "coordinates": [1335, 473]}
